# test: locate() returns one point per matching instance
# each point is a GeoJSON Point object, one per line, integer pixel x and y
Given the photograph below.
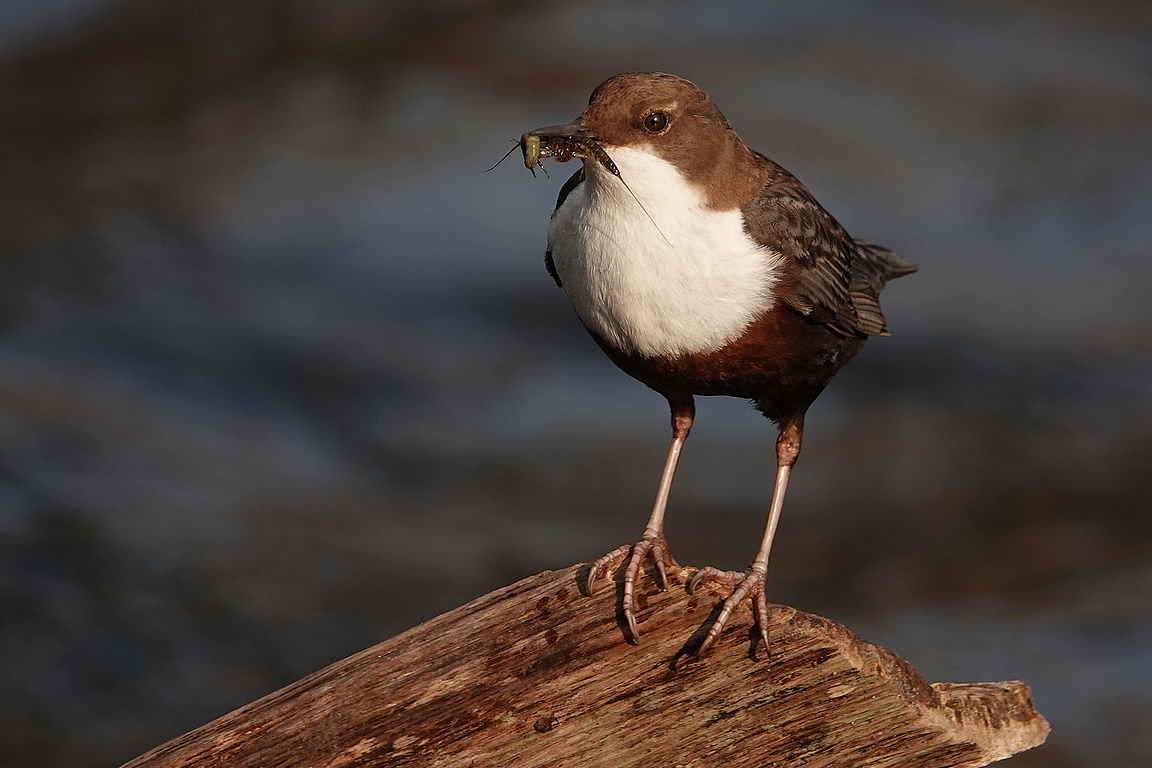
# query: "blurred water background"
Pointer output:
{"type": "Point", "coordinates": [282, 374]}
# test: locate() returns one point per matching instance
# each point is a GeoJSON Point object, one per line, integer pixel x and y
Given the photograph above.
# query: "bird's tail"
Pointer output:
{"type": "Point", "coordinates": [885, 264]}
{"type": "Point", "coordinates": [871, 270]}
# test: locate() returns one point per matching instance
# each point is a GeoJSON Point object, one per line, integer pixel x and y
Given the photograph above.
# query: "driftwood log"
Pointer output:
{"type": "Point", "coordinates": [538, 674]}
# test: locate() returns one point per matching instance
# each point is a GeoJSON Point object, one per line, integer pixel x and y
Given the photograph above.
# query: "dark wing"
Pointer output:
{"type": "Point", "coordinates": [573, 181]}
{"type": "Point", "coordinates": [828, 277]}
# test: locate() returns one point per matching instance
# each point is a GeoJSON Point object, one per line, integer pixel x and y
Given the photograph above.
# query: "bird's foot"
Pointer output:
{"type": "Point", "coordinates": [747, 584]}
{"type": "Point", "coordinates": [651, 546]}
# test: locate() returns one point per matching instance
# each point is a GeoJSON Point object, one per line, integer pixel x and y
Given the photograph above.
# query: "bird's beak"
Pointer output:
{"type": "Point", "coordinates": [572, 130]}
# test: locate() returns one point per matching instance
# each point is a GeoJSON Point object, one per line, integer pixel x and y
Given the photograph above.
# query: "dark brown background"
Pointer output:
{"type": "Point", "coordinates": [282, 374]}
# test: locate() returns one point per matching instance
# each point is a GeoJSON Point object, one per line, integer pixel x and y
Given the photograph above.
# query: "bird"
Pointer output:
{"type": "Point", "coordinates": [701, 268]}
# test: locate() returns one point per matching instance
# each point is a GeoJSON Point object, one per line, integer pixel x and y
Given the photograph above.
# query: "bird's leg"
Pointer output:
{"type": "Point", "coordinates": [652, 544]}
{"type": "Point", "coordinates": [751, 582]}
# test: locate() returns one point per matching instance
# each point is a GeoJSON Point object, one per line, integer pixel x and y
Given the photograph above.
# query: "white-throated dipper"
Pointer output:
{"type": "Point", "coordinates": [701, 267]}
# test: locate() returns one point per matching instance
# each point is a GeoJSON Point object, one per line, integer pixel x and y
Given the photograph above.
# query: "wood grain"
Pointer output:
{"type": "Point", "coordinates": [537, 674]}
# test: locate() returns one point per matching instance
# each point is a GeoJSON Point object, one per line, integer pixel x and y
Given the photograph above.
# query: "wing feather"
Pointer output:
{"type": "Point", "coordinates": [829, 277]}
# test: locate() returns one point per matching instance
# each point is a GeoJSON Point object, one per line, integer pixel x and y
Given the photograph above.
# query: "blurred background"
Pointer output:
{"type": "Point", "coordinates": [282, 373]}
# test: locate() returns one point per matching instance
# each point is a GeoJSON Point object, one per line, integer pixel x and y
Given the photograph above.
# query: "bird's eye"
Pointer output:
{"type": "Point", "coordinates": [655, 122]}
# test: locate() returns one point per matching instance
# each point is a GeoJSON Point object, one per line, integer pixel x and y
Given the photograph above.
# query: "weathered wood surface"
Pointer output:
{"type": "Point", "coordinates": [536, 674]}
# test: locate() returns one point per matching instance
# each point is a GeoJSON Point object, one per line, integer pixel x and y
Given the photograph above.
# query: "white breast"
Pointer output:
{"type": "Point", "coordinates": [686, 280]}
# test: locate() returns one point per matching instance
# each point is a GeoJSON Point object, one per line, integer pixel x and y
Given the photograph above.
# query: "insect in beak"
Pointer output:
{"type": "Point", "coordinates": [531, 146]}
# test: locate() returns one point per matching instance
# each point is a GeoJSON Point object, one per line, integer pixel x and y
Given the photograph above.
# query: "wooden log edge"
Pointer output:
{"type": "Point", "coordinates": [538, 674]}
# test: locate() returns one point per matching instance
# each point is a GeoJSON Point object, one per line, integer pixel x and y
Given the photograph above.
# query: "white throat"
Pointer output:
{"type": "Point", "coordinates": [686, 280]}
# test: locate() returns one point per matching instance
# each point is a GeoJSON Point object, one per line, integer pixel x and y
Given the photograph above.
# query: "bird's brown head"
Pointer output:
{"type": "Point", "coordinates": [652, 109]}
{"type": "Point", "coordinates": [671, 118]}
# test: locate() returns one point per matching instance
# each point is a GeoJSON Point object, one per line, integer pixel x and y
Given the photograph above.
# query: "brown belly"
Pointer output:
{"type": "Point", "coordinates": [782, 362]}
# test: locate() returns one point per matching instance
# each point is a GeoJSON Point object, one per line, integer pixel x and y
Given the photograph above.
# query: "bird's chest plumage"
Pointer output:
{"type": "Point", "coordinates": [649, 268]}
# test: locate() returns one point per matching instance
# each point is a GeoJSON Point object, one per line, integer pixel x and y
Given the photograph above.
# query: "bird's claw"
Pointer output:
{"type": "Point", "coordinates": [651, 546]}
{"type": "Point", "coordinates": [601, 566]}
{"type": "Point", "coordinates": [748, 584]}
